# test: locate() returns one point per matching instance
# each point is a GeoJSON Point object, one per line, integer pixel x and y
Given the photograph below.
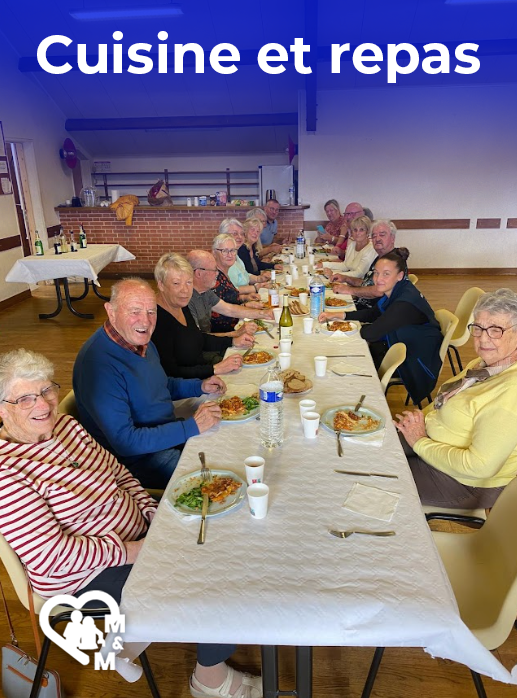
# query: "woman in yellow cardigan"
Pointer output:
{"type": "Point", "coordinates": [462, 450]}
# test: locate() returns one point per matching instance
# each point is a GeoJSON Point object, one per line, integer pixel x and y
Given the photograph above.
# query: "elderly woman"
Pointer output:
{"type": "Point", "coordinates": [245, 282]}
{"type": "Point", "coordinates": [266, 250]}
{"type": "Point", "coordinates": [180, 343]}
{"type": "Point", "coordinates": [402, 314]}
{"type": "Point", "coordinates": [462, 450]}
{"type": "Point", "coordinates": [92, 542]}
{"type": "Point", "coordinates": [249, 252]}
{"type": "Point", "coordinates": [336, 227]}
{"type": "Point", "coordinates": [224, 250]}
{"type": "Point", "coordinates": [359, 254]}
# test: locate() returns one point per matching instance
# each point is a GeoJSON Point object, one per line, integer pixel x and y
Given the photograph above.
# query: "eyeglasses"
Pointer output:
{"type": "Point", "coordinates": [494, 331]}
{"type": "Point", "coordinates": [205, 269]}
{"type": "Point", "coordinates": [28, 401]}
{"type": "Point", "coordinates": [229, 253]}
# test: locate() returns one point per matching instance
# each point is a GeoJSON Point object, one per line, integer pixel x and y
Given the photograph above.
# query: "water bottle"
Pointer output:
{"type": "Point", "coordinates": [291, 196]}
{"type": "Point", "coordinates": [317, 291]}
{"type": "Point", "coordinates": [271, 395]}
{"type": "Point", "coordinates": [300, 245]}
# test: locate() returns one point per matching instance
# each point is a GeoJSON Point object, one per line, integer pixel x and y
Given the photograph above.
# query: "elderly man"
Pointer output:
{"type": "Point", "coordinates": [270, 237]}
{"type": "Point", "coordinates": [124, 397]}
{"type": "Point", "coordinates": [353, 210]}
{"type": "Point", "coordinates": [204, 299]}
{"type": "Point", "coordinates": [383, 240]}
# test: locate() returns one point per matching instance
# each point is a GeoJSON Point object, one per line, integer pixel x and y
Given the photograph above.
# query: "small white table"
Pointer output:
{"type": "Point", "coordinates": [86, 263]}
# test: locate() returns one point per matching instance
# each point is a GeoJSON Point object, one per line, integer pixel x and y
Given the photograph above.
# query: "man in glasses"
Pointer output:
{"type": "Point", "coordinates": [205, 300]}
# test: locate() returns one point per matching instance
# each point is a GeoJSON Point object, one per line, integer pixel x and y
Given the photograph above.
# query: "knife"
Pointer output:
{"type": "Point", "coordinates": [343, 356]}
{"type": "Point", "coordinates": [204, 511]}
{"type": "Point", "coordinates": [347, 534]}
{"type": "Point", "coordinates": [359, 404]}
{"type": "Point", "coordinates": [268, 332]}
{"type": "Point", "coordinates": [356, 472]}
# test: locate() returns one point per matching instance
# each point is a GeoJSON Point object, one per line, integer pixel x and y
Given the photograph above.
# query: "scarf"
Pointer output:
{"type": "Point", "coordinates": [473, 375]}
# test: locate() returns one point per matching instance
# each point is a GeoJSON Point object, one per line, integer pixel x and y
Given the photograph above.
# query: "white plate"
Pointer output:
{"type": "Point", "coordinates": [354, 329]}
{"type": "Point", "coordinates": [327, 420]}
{"type": "Point", "coordinates": [337, 308]}
{"type": "Point", "coordinates": [266, 363]}
{"type": "Point", "coordinates": [271, 325]}
{"type": "Point", "coordinates": [241, 417]}
{"type": "Point", "coordinates": [304, 392]}
{"type": "Point", "coordinates": [190, 480]}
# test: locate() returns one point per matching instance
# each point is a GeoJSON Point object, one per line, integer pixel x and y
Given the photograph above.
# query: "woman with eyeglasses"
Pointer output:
{"type": "Point", "coordinates": [72, 513]}
{"type": "Point", "coordinates": [224, 250]}
{"type": "Point", "coordinates": [462, 450]}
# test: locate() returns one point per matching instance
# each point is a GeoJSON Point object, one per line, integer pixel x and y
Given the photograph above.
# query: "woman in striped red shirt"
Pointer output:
{"type": "Point", "coordinates": [73, 514]}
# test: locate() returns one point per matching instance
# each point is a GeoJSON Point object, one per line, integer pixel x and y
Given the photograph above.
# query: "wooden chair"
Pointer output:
{"type": "Point", "coordinates": [20, 582]}
{"type": "Point", "coordinates": [464, 314]}
{"type": "Point", "coordinates": [482, 569]}
{"type": "Point", "coordinates": [413, 278]}
{"type": "Point", "coordinates": [395, 356]}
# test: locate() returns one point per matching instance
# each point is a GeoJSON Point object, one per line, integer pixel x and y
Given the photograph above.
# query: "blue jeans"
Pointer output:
{"type": "Point", "coordinates": [154, 470]}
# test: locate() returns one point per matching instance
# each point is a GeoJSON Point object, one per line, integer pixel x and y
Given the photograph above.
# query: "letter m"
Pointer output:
{"type": "Point", "coordinates": [101, 663]}
{"type": "Point", "coordinates": [116, 624]}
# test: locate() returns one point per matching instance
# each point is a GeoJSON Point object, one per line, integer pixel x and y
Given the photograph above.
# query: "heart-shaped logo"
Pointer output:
{"type": "Point", "coordinates": [78, 603]}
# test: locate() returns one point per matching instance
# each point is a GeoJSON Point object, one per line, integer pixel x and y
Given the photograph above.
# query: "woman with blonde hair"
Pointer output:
{"type": "Point", "coordinates": [360, 252]}
{"type": "Point", "coordinates": [250, 251]}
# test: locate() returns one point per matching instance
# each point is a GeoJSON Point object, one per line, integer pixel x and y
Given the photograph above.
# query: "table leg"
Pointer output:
{"type": "Point", "coordinates": [86, 316]}
{"type": "Point", "coordinates": [304, 672]}
{"type": "Point", "coordinates": [83, 294]}
{"type": "Point", "coordinates": [99, 295]}
{"type": "Point", "coordinates": [270, 671]}
{"type": "Point", "coordinates": [47, 316]}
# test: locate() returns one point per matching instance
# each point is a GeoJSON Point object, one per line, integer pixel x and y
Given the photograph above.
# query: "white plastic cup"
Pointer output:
{"type": "Point", "coordinates": [285, 346]}
{"type": "Point", "coordinates": [320, 365]}
{"type": "Point", "coordinates": [291, 258]}
{"type": "Point", "coordinates": [305, 268]}
{"type": "Point", "coordinates": [288, 279]}
{"type": "Point", "coordinates": [254, 469]}
{"type": "Point", "coordinates": [284, 359]}
{"type": "Point", "coordinates": [306, 406]}
{"type": "Point", "coordinates": [277, 312]}
{"type": "Point", "coordinates": [294, 273]}
{"type": "Point", "coordinates": [307, 281]}
{"type": "Point", "coordinates": [310, 423]}
{"type": "Point", "coordinates": [258, 495]}
{"type": "Point", "coordinates": [308, 323]}
{"type": "Point", "coordinates": [303, 298]}
{"type": "Point", "coordinates": [311, 259]}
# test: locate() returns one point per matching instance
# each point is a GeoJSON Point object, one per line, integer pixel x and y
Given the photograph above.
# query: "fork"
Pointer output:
{"type": "Point", "coordinates": [206, 476]}
{"type": "Point", "coordinates": [339, 447]}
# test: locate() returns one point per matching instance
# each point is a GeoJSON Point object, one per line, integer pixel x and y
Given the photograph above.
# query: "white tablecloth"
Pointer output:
{"type": "Point", "coordinates": [284, 580]}
{"type": "Point", "coordinates": [84, 263]}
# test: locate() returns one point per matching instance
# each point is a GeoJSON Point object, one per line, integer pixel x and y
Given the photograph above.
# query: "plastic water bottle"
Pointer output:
{"type": "Point", "coordinates": [300, 245]}
{"type": "Point", "coordinates": [317, 291]}
{"type": "Point", "coordinates": [271, 395]}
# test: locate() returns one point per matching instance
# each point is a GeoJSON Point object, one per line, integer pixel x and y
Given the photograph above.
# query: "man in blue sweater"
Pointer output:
{"type": "Point", "coordinates": [123, 395]}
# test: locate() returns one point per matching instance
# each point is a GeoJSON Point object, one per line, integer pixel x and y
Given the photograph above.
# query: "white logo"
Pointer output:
{"type": "Point", "coordinates": [81, 632]}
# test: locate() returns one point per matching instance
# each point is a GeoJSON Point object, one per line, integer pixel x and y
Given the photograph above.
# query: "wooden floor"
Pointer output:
{"type": "Point", "coordinates": [338, 672]}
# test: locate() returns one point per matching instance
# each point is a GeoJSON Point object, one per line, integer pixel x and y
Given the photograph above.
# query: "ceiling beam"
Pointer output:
{"type": "Point", "coordinates": [311, 80]}
{"type": "Point", "coordinates": [156, 123]}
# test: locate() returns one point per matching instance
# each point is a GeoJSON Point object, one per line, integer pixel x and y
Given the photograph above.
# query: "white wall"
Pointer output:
{"type": "Point", "coordinates": [191, 163]}
{"type": "Point", "coordinates": [440, 152]}
{"type": "Point", "coordinates": [27, 113]}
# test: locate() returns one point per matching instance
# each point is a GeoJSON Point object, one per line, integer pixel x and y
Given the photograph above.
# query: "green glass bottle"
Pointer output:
{"type": "Point", "coordinates": [286, 321]}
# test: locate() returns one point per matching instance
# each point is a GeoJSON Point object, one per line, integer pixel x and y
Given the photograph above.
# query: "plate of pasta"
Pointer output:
{"type": "Point", "coordinates": [350, 423]}
{"type": "Point", "coordinates": [226, 491]}
{"type": "Point", "coordinates": [340, 325]}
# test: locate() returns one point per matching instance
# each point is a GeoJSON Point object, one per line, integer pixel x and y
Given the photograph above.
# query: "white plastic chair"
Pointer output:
{"type": "Point", "coordinates": [464, 314]}
{"type": "Point", "coordinates": [448, 323]}
{"type": "Point", "coordinates": [395, 356]}
{"type": "Point", "coordinates": [413, 278]}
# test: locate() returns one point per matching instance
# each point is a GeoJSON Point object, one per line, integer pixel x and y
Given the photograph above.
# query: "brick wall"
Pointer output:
{"type": "Point", "coordinates": [155, 231]}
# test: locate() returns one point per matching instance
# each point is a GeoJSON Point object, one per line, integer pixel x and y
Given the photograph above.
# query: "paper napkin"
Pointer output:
{"type": "Point", "coordinates": [372, 501]}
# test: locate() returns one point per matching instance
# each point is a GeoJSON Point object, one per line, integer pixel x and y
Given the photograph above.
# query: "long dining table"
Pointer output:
{"type": "Point", "coordinates": [284, 580]}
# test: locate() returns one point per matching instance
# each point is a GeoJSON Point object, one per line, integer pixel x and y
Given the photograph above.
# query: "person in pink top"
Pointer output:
{"type": "Point", "coordinates": [73, 514]}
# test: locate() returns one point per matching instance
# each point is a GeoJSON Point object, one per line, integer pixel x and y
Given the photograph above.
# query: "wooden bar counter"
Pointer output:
{"type": "Point", "coordinates": [159, 229]}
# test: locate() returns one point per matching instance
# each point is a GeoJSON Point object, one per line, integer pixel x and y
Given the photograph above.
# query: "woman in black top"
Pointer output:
{"type": "Point", "coordinates": [249, 252]}
{"type": "Point", "coordinates": [179, 341]}
{"type": "Point", "coordinates": [402, 314]}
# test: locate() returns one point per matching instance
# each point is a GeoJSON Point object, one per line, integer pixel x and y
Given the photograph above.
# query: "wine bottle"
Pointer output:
{"type": "Point", "coordinates": [286, 321]}
{"type": "Point", "coordinates": [274, 298]}
{"type": "Point", "coordinates": [83, 243]}
{"type": "Point", "coordinates": [38, 245]}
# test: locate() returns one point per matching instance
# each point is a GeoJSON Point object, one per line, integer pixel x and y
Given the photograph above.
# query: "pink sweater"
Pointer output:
{"type": "Point", "coordinates": [67, 507]}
